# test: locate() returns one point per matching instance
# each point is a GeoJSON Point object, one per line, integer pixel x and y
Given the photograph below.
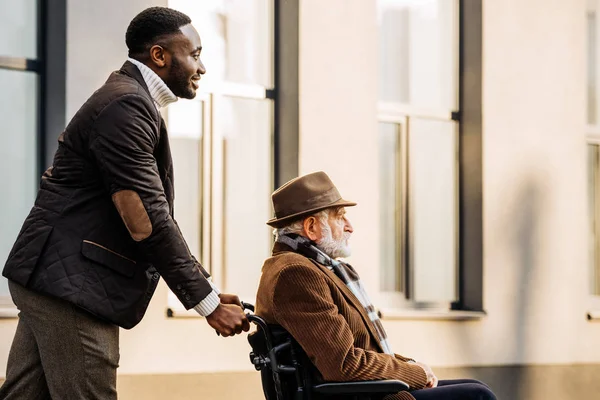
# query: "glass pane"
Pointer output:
{"type": "Point", "coordinates": [18, 28]}
{"type": "Point", "coordinates": [185, 121]}
{"type": "Point", "coordinates": [418, 52]}
{"type": "Point", "coordinates": [593, 211]}
{"type": "Point", "coordinates": [391, 207]}
{"type": "Point", "coordinates": [592, 80]}
{"type": "Point", "coordinates": [433, 209]}
{"type": "Point", "coordinates": [245, 129]}
{"type": "Point", "coordinates": [237, 38]}
{"type": "Point", "coordinates": [18, 113]}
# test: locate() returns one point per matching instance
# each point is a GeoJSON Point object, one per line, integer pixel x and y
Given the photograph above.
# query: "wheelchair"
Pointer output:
{"type": "Point", "coordinates": [288, 374]}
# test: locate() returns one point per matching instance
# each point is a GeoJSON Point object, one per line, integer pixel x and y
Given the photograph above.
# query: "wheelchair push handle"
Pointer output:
{"type": "Point", "coordinates": [248, 306]}
{"type": "Point", "coordinates": [255, 318]}
{"type": "Point", "coordinates": [245, 306]}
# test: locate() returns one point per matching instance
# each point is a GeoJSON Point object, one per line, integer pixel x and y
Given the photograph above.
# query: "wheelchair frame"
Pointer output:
{"type": "Point", "coordinates": [277, 374]}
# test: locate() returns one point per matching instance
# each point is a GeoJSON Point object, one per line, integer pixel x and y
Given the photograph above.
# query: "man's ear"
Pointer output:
{"type": "Point", "coordinates": [311, 228]}
{"type": "Point", "coordinates": [158, 56]}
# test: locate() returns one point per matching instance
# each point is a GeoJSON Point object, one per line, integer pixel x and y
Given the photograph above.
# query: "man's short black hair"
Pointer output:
{"type": "Point", "coordinates": [150, 24]}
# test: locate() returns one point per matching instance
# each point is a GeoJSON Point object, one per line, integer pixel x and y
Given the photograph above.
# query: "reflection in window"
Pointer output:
{"type": "Point", "coordinates": [18, 28]}
{"type": "Point", "coordinates": [432, 165]}
{"type": "Point", "coordinates": [391, 211]}
{"type": "Point", "coordinates": [418, 214]}
{"type": "Point", "coordinates": [236, 36]}
{"type": "Point", "coordinates": [186, 131]}
{"type": "Point", "coordinates": [418, 96]}
{"type": "Point", "coordinates": [593, 138]}
{"type": "Point", "coordinates": [592, 77]}
{"type": "Point", "coordinates": [247, 175]}
{"type": "Point", "coordinates": [18, 154]}
{"type": "Point", "coordinates": [418, 52]}
{"type": "Point", "coordinates": [594, 215]}
{"type": "Point", "coordinates": [223, 144]}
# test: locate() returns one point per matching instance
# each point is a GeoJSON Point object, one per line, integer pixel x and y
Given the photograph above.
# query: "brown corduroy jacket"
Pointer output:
{"type": "Point", "coordinates": [328, 321]}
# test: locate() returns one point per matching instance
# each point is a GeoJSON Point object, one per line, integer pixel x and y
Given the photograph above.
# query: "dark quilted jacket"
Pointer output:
{"type": "Point", "coordinates": [74, 244]}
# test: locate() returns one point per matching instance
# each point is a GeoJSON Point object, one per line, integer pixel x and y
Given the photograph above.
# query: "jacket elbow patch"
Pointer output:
{"type": "Point", "coordinates": [133, 213]}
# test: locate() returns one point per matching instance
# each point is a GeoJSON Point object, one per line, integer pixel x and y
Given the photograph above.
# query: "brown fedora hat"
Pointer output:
{"type": "Point", "coordinates": [304, 196]}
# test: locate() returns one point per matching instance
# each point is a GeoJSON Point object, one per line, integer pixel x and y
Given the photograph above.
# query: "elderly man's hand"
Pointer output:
{"type": "Point", "coordinates": [230, 299]}
{"type": "Point", "coordinates": [432, 380]}
{"type": "Point", "coordinates": [228, 320]}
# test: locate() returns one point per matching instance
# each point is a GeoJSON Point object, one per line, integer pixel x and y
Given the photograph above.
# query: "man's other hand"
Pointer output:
{"type": "Point", "coordinates": [230, 299]}
{"type": "Point", "coordinates": [432, 380]}
{"type": "Point", "coordinates": [228, 320]}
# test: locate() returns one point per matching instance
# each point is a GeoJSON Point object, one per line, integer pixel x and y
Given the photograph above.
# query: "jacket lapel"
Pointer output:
{"type": "Point", "coordinates": [351, 299]}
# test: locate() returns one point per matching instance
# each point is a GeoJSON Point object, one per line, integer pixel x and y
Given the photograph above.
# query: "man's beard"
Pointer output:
{"type": "Point", "coordinates": [179, 83]}
{"type": "Point", "coordinates": [333, 248]}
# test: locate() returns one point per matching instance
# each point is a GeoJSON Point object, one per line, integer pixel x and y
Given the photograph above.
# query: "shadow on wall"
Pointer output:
{"type": "Point", "coordinates": [523, 236]}
{"type": "Point", "coordinates": [519, 235]}
{"type": "Point", "coordinates": [534, 382]}
{"type": "Point", "coordinates": [523, 232]}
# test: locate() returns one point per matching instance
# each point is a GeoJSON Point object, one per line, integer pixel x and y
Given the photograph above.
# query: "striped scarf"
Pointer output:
{"type": "Point", "coordinates": [346, 273]}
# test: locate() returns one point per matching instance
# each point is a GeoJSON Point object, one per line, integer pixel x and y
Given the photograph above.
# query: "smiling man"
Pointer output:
{"type": "Point", "coordinates": [102, 231]}
{"type": "Point", "coordinates": [321, 302]}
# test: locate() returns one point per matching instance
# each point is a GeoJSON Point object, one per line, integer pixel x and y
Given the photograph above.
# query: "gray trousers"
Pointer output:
{"type": "Point", "coordinates": [59, 352]}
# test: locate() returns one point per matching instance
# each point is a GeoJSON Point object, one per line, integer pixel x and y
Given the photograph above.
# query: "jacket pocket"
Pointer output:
{"type": "Point", "coordinates": [108, 258]}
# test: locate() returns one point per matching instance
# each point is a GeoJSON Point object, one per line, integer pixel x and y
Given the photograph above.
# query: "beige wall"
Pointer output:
{"type": "Point", "coordinates": [535, 237]}
{"type": "Point", "coordinates": [535, 225]}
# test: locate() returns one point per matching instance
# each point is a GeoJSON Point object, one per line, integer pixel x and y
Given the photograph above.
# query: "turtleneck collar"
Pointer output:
{"type": "Point", "coordinates": [160, 92]}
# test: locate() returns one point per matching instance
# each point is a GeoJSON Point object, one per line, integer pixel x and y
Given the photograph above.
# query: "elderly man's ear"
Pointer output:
{"type": "Point", "coordinates": [312, 228]}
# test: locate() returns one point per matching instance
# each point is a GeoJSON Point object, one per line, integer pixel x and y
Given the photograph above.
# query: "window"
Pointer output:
{"type": "Point", "coordinates": [419, 141]}
{"type": "Point", "coordinates": [222, 144]}
{"type": "Point", "coordinates": [594, 209]}
{"type": "Point", "coordinates": [19, 76]}
{"type": "Point", "coordinates": [593, 154]}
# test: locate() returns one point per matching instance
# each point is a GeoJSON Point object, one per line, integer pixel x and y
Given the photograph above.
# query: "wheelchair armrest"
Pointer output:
{"type": "Point", "coordinates": [381, 387]}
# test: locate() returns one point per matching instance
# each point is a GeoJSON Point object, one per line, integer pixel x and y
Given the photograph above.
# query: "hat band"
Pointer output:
{"type": "Point", "coordinates": [320, 200]}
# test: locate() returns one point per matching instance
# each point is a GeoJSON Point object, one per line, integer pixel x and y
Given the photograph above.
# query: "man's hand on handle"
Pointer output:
{"type": "Point", "coordinates": [228, 319]}
{"type": "Point", "coordinates": [230, 299]}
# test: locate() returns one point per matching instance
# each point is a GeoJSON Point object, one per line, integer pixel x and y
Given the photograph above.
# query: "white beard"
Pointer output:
{"type": "Point", "coordinates": [334, 248]}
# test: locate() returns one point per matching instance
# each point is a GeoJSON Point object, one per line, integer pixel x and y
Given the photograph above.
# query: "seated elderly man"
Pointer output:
{"type": "Point", "coordinates": [321, 302]}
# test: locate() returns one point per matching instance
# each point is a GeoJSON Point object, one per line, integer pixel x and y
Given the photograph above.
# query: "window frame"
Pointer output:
{"type": "Point", "coordinates": [470, 181]}
{"type": "Point", "coordinates": [593, 139]}
{"type": "Point", "coordinates": [595, 219]}
{"type": "Point", "coordinates": [50, 66]}
{"type": "Point", "coordinates": [400, 115]}
{"type": "Point", "coordinates": [212, 246]}
{"type": "Point", "coordinates": [469, 177]}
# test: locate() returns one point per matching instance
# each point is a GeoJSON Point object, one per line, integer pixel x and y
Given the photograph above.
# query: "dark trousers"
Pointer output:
{"type": "Point", "coordinates": [59, 352]}
{"type": "Point", "coordinates": [458, 389]}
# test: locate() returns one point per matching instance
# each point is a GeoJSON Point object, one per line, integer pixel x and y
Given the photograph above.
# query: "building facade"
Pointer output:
{"type": "Point", "coordinates": [465, 130]}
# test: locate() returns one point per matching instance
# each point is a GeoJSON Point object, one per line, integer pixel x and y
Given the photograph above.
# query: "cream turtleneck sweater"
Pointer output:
{"type": "Point", "coordinates": [160, 92]}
